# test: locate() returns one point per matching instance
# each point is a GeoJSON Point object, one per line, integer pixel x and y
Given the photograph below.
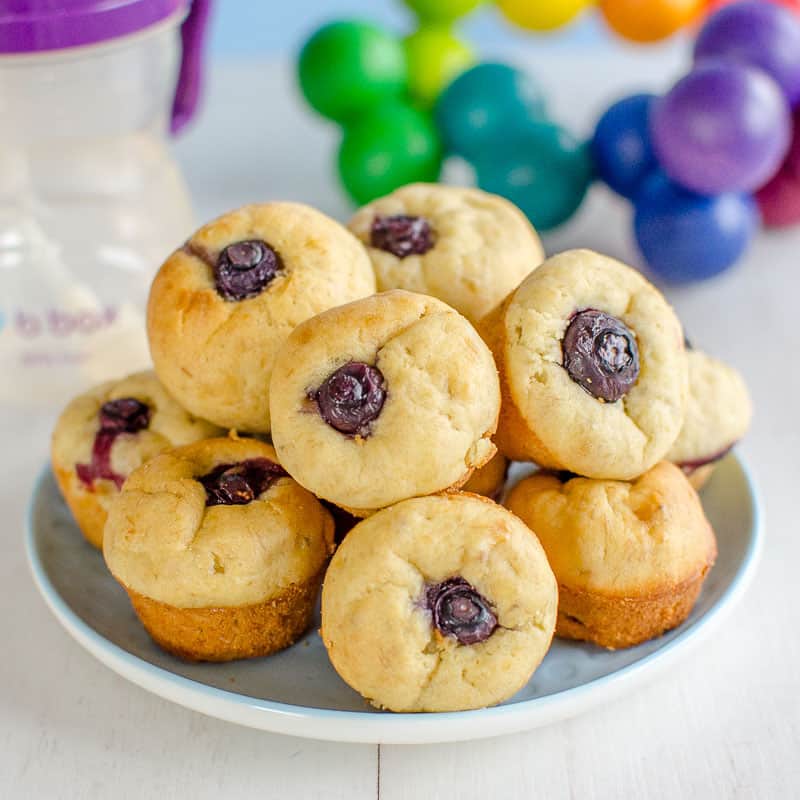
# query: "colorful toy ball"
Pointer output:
{"type": "Point", "coordinates": [545, 172]}
{"type": "Point", "coordinates": [541, 15]}
{"type": "Point", "coordinates": [479, 109]}
{"type": "Point", "coordinates": [779, 200]}
{"type": "Point", "coordinates": [724, 127]}
{"type": "Point", "coordinates": [346, 67]}
{"type": "Point", "coordinates": [623, 153]}
{"type": "Point", "coordinates": [387, 147]}
{"type": "Point", "coordinates": [761, 34]}
{"type": "Point", "coordinates": [441, 10]}
{"type": "Point", "coordinates": [649, 20]}
{"type": "Point", "coordinates": [689, 237]}
{"type": "Point", "coordinates": [435, 56]}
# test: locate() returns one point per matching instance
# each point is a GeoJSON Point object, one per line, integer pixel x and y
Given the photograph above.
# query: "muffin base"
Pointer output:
{"type": "Point", "coordinates": [228, 633]}
{"type": "Point", "coordinates": [699, 477]}
{"type": "Point", "coordinates": [84, 505]}
{"type": "Point", "coordinates": [617, 622]}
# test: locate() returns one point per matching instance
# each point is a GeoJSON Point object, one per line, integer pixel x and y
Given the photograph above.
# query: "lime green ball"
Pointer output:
{"type": "Point", "coordinates": [386, 148]}
{"type": "Point", "coordinates": [347, 67]}
{"type": "Point", "coordinates": [435, 56]}
{"type": "Point", "coordinates": [442, 10]}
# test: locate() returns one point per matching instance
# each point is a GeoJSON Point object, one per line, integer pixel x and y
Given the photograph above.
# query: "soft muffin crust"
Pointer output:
{"type": "Point", "coordinates": [73, 437]}
{"type": "Point", "coordinates": [550, 418]}
{"type": "Point", "coordinates": [489, 479]}
{"type": "Point", "coordinates": [163, 542]}
{"type": "Point", "coordinates": [718, 414]}
{"type": "Point", "coordinates": [483, 246]}
{"type": "Point", "coordinates": [629, 558]}
{"type": "Point", "coordinates": [379, 634]}
{"type": "Point", "coordinates": [440, 410]}
{"type": "Point", "coordinates": [216, 355]}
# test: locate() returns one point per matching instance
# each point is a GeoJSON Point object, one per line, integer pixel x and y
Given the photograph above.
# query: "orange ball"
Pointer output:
{"type": "Point", "coordinates": [715, 5]}
{"type": "Point", "coordinates": [649, 20]}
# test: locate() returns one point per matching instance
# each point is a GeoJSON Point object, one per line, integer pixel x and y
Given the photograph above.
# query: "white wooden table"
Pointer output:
{"type": "Point", "coordinates": [724, 724]}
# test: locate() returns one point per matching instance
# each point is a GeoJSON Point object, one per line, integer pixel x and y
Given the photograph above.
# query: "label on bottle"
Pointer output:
{"type": "Point", "coordinates": [48, 352]}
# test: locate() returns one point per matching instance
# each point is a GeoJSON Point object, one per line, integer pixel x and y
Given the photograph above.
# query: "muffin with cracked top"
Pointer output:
{"type": "Point", "coordinates": [630, 558]}
{"type": "Point", "coordinates": [592, 368]}
{"type": "Point", "coordinates": [717, 416]}
{"type": "Point", "coordinates": [222, 305]}
{"type": "Point", "coordinates": [219, 550]}
{"type": "Point", "coordinates": [440, 603]}
{"type": "Point", "coordinates": [106, 433]}
{"type": "Point", "coordinates": [467, 247]}
{"type": "Point", "coordinates": [383, 399]}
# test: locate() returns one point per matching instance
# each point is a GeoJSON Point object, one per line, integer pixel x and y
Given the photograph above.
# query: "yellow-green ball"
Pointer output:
{"type": "Point", "coordinates": [435, 57]}
{"type": "Point", "coordinates": [442, 10]}
{"type": "Point", "coordinates": [542, 15]}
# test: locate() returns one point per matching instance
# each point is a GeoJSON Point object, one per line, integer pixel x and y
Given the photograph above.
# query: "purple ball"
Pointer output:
{"type": "Point", "coordinates": [763, 35]}
{"type": "Point", "coordinates": [725, 127]}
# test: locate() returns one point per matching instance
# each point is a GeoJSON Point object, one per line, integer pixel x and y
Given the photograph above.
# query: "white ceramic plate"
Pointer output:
{"type": "Point", "coordinates": [297, 692]}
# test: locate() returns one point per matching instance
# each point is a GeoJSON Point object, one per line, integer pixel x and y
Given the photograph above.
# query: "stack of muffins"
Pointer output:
{"type": "Point", "coordinates": [292, 406]}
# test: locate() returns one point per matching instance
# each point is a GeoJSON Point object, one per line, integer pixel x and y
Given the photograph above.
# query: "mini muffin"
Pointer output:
{"type": "Point", "coordinates": [384, 399]}
{"type": "Point", "coordinates": [222, 305]}
{"type": "Point", "coordinates": [489, 479]}
{"type": "Point", "coordinates": [439, 603]}
{"type": "Point", "coordinates": [106, 433]}
{"type": "Point", "coordinates": [219, 550]}
{"type": "Point", "coordinates": [717, 416]}
{"type": "Point", "coordinates": [630, 558]}
{"type": "Point", "coordinates": [592, 368]}
{"type": "Point", "coordinates": [464, 246]}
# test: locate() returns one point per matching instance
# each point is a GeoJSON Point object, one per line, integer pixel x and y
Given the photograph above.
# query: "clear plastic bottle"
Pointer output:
{"type": "Point", "coordinates": [91, 200]}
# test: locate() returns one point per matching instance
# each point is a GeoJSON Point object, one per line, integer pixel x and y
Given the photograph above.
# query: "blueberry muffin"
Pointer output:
{"type": "Point", "coordinates": [219, 550]}
{"type": "Point", "coordinates": [464, 246]}
{"type": "Point", "coordinates": [222, 305]}
{"type": "Point", "coordinates": [717, 416]}
{"type": "Point", "coordinates": [383, 399]}
{"type": "Point", "coordinates": [439, 603]}
{"type": "Point", "coordinates": [106, 433]}
{"type": "Point", "coordinates": [592, 368]}
{"type": "Point", "coordinates": [489, 479]}
{"type": "Point", "coordinates": [630, 558]}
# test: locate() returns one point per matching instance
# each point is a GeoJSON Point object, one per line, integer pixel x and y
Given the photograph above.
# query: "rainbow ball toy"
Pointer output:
{"type": "Point", "coordinates": [703, 165]}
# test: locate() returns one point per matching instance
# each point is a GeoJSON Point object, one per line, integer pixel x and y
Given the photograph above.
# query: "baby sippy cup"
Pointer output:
{"type": "Point", "coordinates": [91, 201]}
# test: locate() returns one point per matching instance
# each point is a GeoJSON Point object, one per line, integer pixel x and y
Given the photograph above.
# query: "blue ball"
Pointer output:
{"type": "Point", "coordinates": [476, 112]}
{"type": "Point", "coordinates": [690, 237]}
{"type": "Point", "coordinates": [621, 145]}
{"type": "Point", "coordinates": [544, 171]}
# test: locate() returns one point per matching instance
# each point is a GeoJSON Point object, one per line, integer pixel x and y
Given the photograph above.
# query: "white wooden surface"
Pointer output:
{"type": "Point", "coordinates": [725, 724]}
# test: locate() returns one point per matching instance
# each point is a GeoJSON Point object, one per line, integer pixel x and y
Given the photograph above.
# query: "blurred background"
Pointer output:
{"type": "Point", "coordinates": [245, 29]}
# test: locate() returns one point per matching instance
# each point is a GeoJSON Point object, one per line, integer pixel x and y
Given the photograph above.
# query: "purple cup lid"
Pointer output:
{"type": "Point", "coordinates": [32, 26]}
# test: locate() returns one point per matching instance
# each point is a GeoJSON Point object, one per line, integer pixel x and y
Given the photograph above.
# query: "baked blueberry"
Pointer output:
{"type": "Point", "coordinates": [239, 484]}
{"type": "Point", "coordinates": [351, 398]}
{"type": "Point", "coordinates": [245, 269]}
{"type": "Point", "coordinates": [600, 354]}
{"type": "Point", "coordinates": [401, 234]}
{"type": "Point", "coordinates": [459, 610]}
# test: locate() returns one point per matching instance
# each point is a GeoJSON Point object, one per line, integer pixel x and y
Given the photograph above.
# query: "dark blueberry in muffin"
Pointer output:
{"type": "Point", "coordinates": [351, 398]}
{"type": "Point", "coordinates": [459, 610]}
{"type": "Point", "coordinates": [124, 415]}
{"type": "Point", "coordinates": [239, 484]}
{"type": "Point", "coordinates": [402, 235]}
{"type": "Point", "coordinates": [244, 269]}
{"type": "Point", "coordinates": [600, 354]}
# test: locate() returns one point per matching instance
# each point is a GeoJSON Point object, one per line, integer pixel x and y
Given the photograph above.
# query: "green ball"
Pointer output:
{"type": "Point", "coordinates": [442, 10]}
{"type": "Point", "coordinates": [544, 171]}
{"type": "Point", "coordinates": [391, 146]}
{"type": "Point", "coordinates": [435, 57]}
{"type": "Point", "coordinates": [347, 67]}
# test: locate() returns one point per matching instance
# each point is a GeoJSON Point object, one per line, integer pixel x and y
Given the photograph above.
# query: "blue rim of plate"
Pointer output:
{"type": "Point", "coordinates": [363, 726]}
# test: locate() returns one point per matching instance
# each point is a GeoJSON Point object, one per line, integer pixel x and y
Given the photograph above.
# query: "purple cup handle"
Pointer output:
{"type": "Point", "coordinates": [190, 78]}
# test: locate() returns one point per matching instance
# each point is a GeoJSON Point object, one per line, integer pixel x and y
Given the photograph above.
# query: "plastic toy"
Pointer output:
{"type": "Point", "coordinates": [698, 163]}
